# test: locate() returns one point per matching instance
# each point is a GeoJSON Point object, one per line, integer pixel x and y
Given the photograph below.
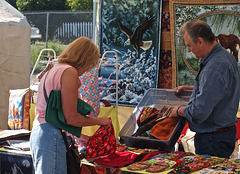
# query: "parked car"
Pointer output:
{"type": "Point", "coordinates": [35, 33]}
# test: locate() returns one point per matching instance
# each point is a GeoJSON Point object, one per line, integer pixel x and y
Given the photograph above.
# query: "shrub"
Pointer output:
{"type": "Point", "coordinates": [36, 48]}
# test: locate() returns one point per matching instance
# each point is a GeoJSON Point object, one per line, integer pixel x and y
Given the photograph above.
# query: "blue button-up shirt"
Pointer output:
{"type": "Point", "coordinates": [215, 97]}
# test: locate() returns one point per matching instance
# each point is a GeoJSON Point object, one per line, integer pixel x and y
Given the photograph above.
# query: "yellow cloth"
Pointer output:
{"type": "Point", "coordinates": [238, 113]}
{"type": "Point", "coordinates": [32, 114]}
{"type": "Point", "coordinates": [105, 112]}
{"type": "Point", "coordinates": [89, 130]}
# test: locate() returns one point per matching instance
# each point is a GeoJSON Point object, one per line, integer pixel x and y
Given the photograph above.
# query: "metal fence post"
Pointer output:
{"type": "Point", "coordinates": [47, 21]}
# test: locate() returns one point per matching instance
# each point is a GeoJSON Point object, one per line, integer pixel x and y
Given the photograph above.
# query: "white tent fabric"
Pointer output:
{"type": "Point", "coordinates": [14, 55]}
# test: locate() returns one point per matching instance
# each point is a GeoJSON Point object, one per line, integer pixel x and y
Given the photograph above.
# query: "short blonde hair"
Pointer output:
{"type": "Point", "coordinates": [81, 53]}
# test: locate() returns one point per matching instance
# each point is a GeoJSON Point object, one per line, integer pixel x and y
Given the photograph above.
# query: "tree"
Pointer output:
{"type": "Point", "coordinates": [13, 3]}
{"type": "Point", "coordinates": [77, 5]}
{"type": "Point", "coordinates": [41, 5]}
{"type": "Point", "coordinates": [51, 5]}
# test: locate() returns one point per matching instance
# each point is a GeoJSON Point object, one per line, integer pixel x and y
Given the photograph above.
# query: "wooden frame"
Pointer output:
{"type": "Point", "coordinates": [222, 17]}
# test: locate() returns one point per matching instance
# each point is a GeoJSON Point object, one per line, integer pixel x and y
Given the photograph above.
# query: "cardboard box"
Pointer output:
{"type": "Point", "coordinates": [155, 98]}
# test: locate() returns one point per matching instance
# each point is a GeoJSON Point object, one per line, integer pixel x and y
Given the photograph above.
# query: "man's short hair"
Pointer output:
{"type": "Point", "coordinates": [198, 28]}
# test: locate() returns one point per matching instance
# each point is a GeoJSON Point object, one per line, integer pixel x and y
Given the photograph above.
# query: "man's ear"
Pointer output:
{"type": "Point", "coordinates": [201, 41]}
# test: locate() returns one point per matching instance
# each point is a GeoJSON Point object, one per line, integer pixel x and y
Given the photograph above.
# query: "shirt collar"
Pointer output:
{"type": "Point", "coordinates": [205, 60]}
{"type": "Point", "coordinates": [208, 57]}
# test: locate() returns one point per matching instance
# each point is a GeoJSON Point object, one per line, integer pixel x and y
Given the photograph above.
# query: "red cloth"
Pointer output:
{"type": "Point", "coordinates": [90, 169]}
{"type": "Point", "coordinates": [238, 129]}
{"type": "Point", "coordinates": [103, 142]}
{"type": "Point", "coordinates": [118, 159]}
{"type": "Point", "coordinates": [178, 163]}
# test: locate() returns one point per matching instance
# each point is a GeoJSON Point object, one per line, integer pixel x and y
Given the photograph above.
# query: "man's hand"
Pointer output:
{"type": "Point", "coordinates": [182, 88]}
{"type": "Point", "coordinates": [177, 111]}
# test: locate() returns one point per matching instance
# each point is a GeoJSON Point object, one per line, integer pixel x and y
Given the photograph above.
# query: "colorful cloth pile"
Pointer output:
{"type": "Point", "coordinates": [155, 124]}
{"type": "Point", "coordinates": [150, 114]}
{"type": "Point", "coordinates": [183, 162]}
{"type": "Point", "coordinates": [154, 161]}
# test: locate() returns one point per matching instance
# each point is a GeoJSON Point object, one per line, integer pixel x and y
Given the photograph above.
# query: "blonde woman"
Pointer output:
{"type": "Point", "coordinates": [47, 145]}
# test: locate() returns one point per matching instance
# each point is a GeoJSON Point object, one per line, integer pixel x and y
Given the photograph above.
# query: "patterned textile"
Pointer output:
{"type": "Point", "coordinates": [103, 142]}
{"type": "Point", "coordinates": [231, 164]}
{"type": "Point", "coordinates": [19, 104]}
{"type": "Point", "coordinates": [12, 162]}
{"type": "Point", "coordinates": [197, 166]}
{"type": "Point", "coordinates": [48, 67]}
{"type": "Point", "coordinates": [191, 159]}
{"type": "Point", "coordinates": [121, 148]}
{"type": "Point", "coordinates": [214, 160]}
{"type": "Point", "coordinates": [181, 170]}
{"type": "Point", "coordinates": [146, 112]}
{"type": "Point", "coordinates": [150, 154]}
{"type": "Point", "coordinates": [118, 159]}
{"type": "Point", "coordinates": [89, 90]}
{"type": "Point", "coordinates": [166, 59]}
{"type": "Point", "coordinates": [163, 114]}
{"type": "Point", "coordinates": [142, 165]}
{"type": "Point", "coordinates": [178, 162]}
{"type": "Point", "coordinates": [213, 171]}
{"type": "Point", "coordinates": [152, 166]}
{"type": "Point", "coordinates": [171, 155]}
{"type": "Point", "coordinates": [149, 114]}
{"type": "Point", "coordinates": [166, 21]}
{"type": "Point", "coordinates": [93, 169]}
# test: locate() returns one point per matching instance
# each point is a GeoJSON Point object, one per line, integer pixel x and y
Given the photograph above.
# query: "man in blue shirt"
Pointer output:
{"type": "Point", "coordinates": [212, 108]}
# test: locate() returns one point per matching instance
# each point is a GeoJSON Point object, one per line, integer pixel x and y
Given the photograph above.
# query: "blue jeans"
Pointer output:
{"type": "Point", "coordinates": [220, 144]}
{"type": "Point", "coordinates": [48, 150]}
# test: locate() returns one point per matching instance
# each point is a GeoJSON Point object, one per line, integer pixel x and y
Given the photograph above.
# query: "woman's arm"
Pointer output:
{"type": "Point", "coordinates": [69, 94]}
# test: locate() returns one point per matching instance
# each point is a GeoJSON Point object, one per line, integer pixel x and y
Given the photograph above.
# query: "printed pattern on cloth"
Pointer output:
{"type": "Point", "coordinates": [19, 105]}
{"type": "Point", "coordinates": [89, 90]}
{"type": "Point", "coordinates": [145, 128]}
{"type": "Point", "coordinates": [173, 162]}
{"type": "Point", "coordinates": [197, 166]}
{"type": "Point", "coordinates": [90, 169]}
{"type": "Point", "coordinates": [48, 67]}
{"type": "Point", "coordinates": [103, 142]}
{"type": "Point", "coordinates": [153, 166]}
{"type": "Point", "coordinates": [213, 171]}
{"type": "Point", "coordinates": [118, 159]}
{"type": "Point", "coordinates": [139, 165]}
{"type": "Point", "coordinates": [180, 170]}
{"type": "Point", "coordinates": [166, 21]}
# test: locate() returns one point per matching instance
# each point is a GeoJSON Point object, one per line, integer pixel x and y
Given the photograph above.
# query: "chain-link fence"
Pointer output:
{"type": "Point", "coordinates": [63, 26]}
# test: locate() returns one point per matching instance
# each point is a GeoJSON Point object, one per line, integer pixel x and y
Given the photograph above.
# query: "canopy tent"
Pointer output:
{"type": "Point", "coordinates": [14, 55]}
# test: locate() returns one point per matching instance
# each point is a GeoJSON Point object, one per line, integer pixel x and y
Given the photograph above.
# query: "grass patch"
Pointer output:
{"type": "Point", "coordinates": [37, 47]}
